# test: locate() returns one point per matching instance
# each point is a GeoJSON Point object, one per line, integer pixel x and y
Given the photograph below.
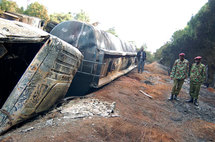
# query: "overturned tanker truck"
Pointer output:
{"type": "Point", "coordinates": [106, 57]}
{"type": "Point", "coordinates": [36, 70]}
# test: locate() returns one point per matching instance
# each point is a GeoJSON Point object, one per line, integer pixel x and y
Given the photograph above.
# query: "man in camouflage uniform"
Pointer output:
{"type": "Point", "coordinates": [179, 74]}
{"type": "Point", "coordinates": [197, 77]}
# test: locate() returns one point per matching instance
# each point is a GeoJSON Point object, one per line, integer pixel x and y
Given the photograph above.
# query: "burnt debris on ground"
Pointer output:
{"type": "Point", "coordinates": [139, 118]}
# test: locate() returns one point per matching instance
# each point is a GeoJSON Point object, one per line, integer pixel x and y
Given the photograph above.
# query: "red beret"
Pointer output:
{"type": "Point", "coordinates": [198, 57]}
{"type": "Point", "coordinates": [181, 54]}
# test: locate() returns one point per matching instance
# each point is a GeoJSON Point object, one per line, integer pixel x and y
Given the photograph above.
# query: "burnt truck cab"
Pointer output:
{"type": "Point", "coordinates": [106, 57]}
{"type": "Point", "coordinates": [36, 70]}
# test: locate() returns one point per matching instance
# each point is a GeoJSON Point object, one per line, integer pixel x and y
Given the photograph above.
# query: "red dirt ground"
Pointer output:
{"type": "Point", "coordinates": [141, 119]}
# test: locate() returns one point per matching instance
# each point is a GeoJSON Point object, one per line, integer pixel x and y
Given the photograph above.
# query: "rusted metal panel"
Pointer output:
{"type": "Point", "coordinates": [30, 20]}
{"type": "Point", "coordinates": [44, 82]}
{"type": "Point", "coordinates": [105, 56]}
{"type": "Point", "coordinates": [13, 30]}
{"type": "Point", "coordinates": [114, 68]}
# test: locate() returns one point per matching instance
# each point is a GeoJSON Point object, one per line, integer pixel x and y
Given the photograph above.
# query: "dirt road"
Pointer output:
{"type": "Point", "coordinates": [128, 115]}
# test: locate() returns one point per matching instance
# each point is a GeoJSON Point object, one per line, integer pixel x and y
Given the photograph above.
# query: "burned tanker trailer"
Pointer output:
{"type": "Point", "coordinates": [36, 70]}
{"type": "Point", "coordinates": [106, 57]}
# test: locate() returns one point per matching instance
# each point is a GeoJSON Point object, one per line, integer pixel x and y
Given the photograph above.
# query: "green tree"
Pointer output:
{"type": "Point", "coordinates": [82, 16]}
{"type": "Point", "coordinates": [196, 39]}
{"type": "Point", "coordinates": [21, 10]}
{"type": "Point", "coordinates": [112, 31]}
{"type": "Point", "coordinates": [37, 10]}
{"type": "Point", "coordinates": [60, 17]}
{"type": "Point", "coordinates": [158, 53]}
{"type": "Point", "coordinates": [149, 56]}
{"type": "Point", "coordinates": [10, 6]}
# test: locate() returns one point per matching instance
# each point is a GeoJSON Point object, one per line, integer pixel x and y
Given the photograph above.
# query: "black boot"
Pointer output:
{"type": "Point", "coordinates": [171, 97]}
{"type": "Point", "coordinates": [196, 102]}
{"type": "Point", "coordinates": [190, 100]}
{"type": "Point", "coordinates": [175, 98]}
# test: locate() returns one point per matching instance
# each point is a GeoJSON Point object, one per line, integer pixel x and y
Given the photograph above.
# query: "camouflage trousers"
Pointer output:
{"type": "Point", "coordinates": [177, 86]}
{"type": "Point", "coordinates": [194, 89]}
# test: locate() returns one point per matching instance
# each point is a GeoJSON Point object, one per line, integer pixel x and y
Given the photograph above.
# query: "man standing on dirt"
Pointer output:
{"type": "Point", "coordinates": [197, 77]}
{"type": "Point", "coordinates": [179, 74]}
{"type": "Point", "coordinates": [141, 57]}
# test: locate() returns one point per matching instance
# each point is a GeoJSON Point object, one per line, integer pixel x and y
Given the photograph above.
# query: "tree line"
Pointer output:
{"type": "Point", "coordinates": [196, 39]}
{"type": "Point", "coordinates": [38, 10]}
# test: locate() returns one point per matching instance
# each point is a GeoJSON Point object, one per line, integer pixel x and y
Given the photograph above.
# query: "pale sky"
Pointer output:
{"type": "Point", "coordinates": [144, 21]}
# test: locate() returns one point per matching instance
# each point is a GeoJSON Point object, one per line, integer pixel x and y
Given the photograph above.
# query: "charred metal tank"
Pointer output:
{"type": "Point", "coordinates": [36, 70]}
{"type": "Point", "coordinates": [106, 57]}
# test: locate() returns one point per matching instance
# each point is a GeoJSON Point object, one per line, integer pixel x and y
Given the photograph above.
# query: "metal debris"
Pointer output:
{"type": "Point", "coordinates": [27, 130]}
{"type": "Point", "coordinates": [146, 94]}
